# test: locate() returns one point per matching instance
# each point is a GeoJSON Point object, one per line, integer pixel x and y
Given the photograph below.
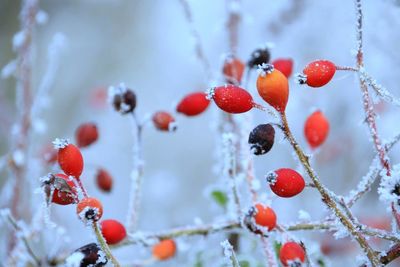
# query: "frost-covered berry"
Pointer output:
{"type": "Point", "coordinates": [260, 216]}
{"type": "Point", "coordinates": [113, 231]}
{"type": "Point", "coordinates": [104, 180]}
{"type": "Point", "coordinates": [86, 134]}
{"type": "Point", "coordinates": [285, 182]}
{"type": "Point", "coordinates": [69, 158]}
{"type": "Point", "coordinates": [89, 209]}
{"type": "Point", "coordinates": [232, 98]}
{"type": "Point", "coordinates": [122, 99]}
{"type": "Point", "coordinates": [164, 250]}
{"type": "Point", "coordinates": [233, 70]}
{"type": "Point", "coordinates": [258, 57]}
{"type": "Point", "coordinates": [284, 65]}
{"type": "Point", "coordinates": [316, 129]}
{"type": "Point", "coordinates": [60, 188]}
{"type": "Point", "coordinates": [193, 104]}
{"type": "Point", "coordinates": [317, 73]}
{"type": "Point", "coordinates": [164, 121]}
{"type": "Point", "coordinates": [88, 255]}
{"type": "Point", "coordinates": [291, 254]}
{"type": "Point", "coordinates": [261, 139]}
{"type": "Point", "coordinates": [273, 87]}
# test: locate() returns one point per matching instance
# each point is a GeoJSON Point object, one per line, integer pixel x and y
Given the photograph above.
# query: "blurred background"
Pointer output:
{"type": "Point", "coordinates": [149, 46]}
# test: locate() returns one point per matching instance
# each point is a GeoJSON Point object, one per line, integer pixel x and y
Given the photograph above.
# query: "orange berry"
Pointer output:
{"type": "Point", "coordinates": [164, 250]}
{"type": "Point", "coordinates": [316, 129]}
{"type": "Point", "coordinates": [233, 70]}
{"type": "Point", "coordinates": [273, 87]}
{"type": "Point", "coordinates": [89, 209]}
{"type": "Point", "coordinates": [164, 121]}
{"type": "Point", "coordinates": [265, 216]}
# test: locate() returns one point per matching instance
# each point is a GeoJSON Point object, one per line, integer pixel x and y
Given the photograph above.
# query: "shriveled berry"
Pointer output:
{"type": "Point", "coordinates": [113, 231]}
{"type": "Point", "coordinates": [232, 98]}
{"type": "Point", "coordinates": [164, 250]}
{"type": "Point", "coordinates": [290, 253]}
{"type": "Point", "coordinates": [273, 87]}
{"type": "Point", "coordinates": [284, 65]}
{"type": "Point", "coordinates": [89, 255]}
{"type": "Point", "coordinates": [86, 134]}
{"type": "Point", "coordinates": [265, 216]}
{"type": "Point", "coordinates": [164, 121]}
{"type": "Point", "coordinates": [123, 99]}
{"type": "Point", "coordinates": [104, 180]}
{"type": "Point", "coordinates": [258, 57]}
{"type": "Point", "coordinates": [233, 70]}
{"type": "Point", "coordinates": [60, 188]}
{"type": "Point", "coordinates": [286, 182]}
{"type": "Point", "coordinates": [69, 158]}
{"type": "Point", "coordinates": [89, 209]}
{"type": "Point", "coordinates": [316, 129]}
{"type": "Point", "coordinates": [193, 104]}
{"type": "Point", "coordinates": [262, 138]}
{"type": "Point", "coordinates": [318, 73]}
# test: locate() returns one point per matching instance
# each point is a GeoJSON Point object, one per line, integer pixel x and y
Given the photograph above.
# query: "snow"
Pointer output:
{"type": "Point", "coordinates": [74, 260]}
{"type": "Point", "coordinates": [19, 39]}
{"type": "Point", "coordinates": [9, 69]}
{"type": "Point", "coordinates": [59, 143]}
{"type": "Point", "coordinates": [41, 17]}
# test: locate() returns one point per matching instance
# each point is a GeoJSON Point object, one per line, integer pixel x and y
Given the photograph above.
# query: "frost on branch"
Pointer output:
{"type": "Point", "coordinates": [389, 188]}
{"type": "Point", "coordinates": [229, 254]}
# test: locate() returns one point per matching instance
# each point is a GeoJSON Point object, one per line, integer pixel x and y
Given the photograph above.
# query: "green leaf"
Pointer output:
{"type": "Point", "coordinates": [244, 263]}
{"type": "Point", "coordinates": [220, 197]}
{"type": "Point", "coordinates": [321, 262]}
{"type": "Point", "coordinates": [277, 248]}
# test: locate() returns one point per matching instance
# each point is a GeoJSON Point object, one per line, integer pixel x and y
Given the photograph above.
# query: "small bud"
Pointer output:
{"type": "Point", "coordinates": [261, 139]}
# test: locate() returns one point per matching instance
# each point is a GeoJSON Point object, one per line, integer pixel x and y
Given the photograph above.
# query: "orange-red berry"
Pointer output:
{"type": "Point", "coordinates": [273, 87]}
{"type": "Point", "coordinates": [64, 190]}
{"type": "Point", "coordinates": [316, 129]}
{"type": "Point", "coordinates": [113, 231]}
{"type": "Point", "coordinates": [265, 216]}
{"type": "Point", "coordinates": [286, 182]}
{"type": "Point", "coordinates": [164, 121]}
{"type": "Point", "coordinates": [86, 134]}
{"type": "Point", "coordinates": [232, 98]}
{"type": "Point", "coordinates": [70, 159]}
{"type": "Point", "coordinates": [284, 65]}
{"type": "Point", "coordinates": [104, 180]}
{"type": "Point", "coordinates": [164, 250]}
{"type": "Point", "coordinates": [318, 73]}
{"type": "Point", "coordinates": [193, 104]}
{"type": "Point", "coordinates": [233, 70]}
{"type": "Point", "coordinates": [290, 253]}
{"type": "Point", "coordinates": [89, 209]}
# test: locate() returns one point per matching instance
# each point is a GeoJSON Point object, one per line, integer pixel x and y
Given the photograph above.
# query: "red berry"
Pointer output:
{"type": "Point", "coordinates": [64, 190]}
{"type": "Point", "coordinates": [316, 129]}
{"type": "Point", "coordinates": [291, 252]}
{"type": "Point", "coordinates": [273, 87]}
{"type": "Point", "coordinates": [233, 70]}
{"type": "Point", "coordinates": [104, 180]}
{"type": "Point", "coordinates": [89, 209]}
{"type": "Point", "coordinates": [113, 231]}
{"type": "Point", "coordinates": [286, 182]}
{"type": "Point", "coordinates": [318, 73]}
{"type": "Point", "coordinates": [232, 99]}
{"type": "Point", "coordinates": [86, 134]}
{"type": "Point", "coordinates": [164, 121]}
{"type": "Point", "coordinates": [70, 159]}
{"type": "Point", "coordinates": [265, 216]}
{"type": "Point", "coordinates": [164, 249]}
{"type": "Point", "coordinates": [284, 65]}
{"type": "Point", "coordinates": [193, 104]}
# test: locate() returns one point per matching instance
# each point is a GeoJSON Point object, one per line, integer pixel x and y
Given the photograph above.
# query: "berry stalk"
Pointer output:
{"type": "Point", "coordinates": [103, 244]}
{"type": "Point", "coordinates": [326, 197]}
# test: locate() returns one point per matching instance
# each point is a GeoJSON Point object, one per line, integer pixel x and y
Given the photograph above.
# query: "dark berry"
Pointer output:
{"type": "Point", "coordinates": [261, 139]}
{"type": "Point", "coordinates": [258, 57]}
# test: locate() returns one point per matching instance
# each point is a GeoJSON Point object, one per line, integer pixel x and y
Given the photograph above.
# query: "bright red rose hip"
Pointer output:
{"type": "Point", "coordinates": [286, 182]}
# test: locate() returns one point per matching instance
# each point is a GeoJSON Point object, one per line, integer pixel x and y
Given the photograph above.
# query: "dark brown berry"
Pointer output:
{"type": "Point", "coordinates": [91, 254]}
{"type": "Point", "coordinates": [124, 102]}
{"type": "Point", "coordinates": [258, 57]}
{"type": "Point", "coordinates": [262, 139]}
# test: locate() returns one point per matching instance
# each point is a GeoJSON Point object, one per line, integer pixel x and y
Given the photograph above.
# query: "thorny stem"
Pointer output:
{"type": "Point", "coordinates": [136, 175]}
{"type": "Point", "coordinates": [196, 36]}
{"type": "Point", "coordinates": [103, 244]}
{"type": "Point", "coordinates": [326, 196]}
{"type": "Point", "coordinates": [24, 239]}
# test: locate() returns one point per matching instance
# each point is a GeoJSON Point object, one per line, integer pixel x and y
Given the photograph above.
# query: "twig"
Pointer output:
{"type": "Point", "coordinates": [326, 196]}
{"type": "Point", "coordinates": [136, 175]}
{"type": "Point", "coordinates": [230, 253]}
{"type": "Point", "coordinates": [103, 244]}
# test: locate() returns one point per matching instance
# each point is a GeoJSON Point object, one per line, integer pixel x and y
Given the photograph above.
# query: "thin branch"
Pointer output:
{"type": "Point", "coordinates": [103, 244]}
{"type": "Point", "coordinates": [230, 254]}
